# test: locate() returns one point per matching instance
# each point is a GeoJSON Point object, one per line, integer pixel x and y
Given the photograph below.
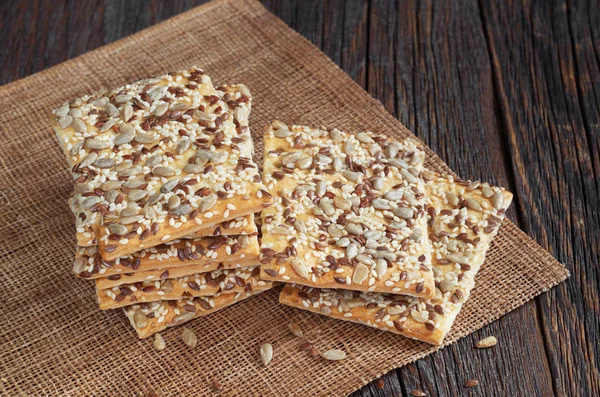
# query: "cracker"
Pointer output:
{"type": "Point", "coordinates": [463, 217]}
{"type": "Point", "coordinates": [208, 252]}
{"type": "Point", "coordinates": [173, 272]}
{"type": "Point", "coordinates": [348, 211]}
{"type": "Point", "coordinates": [200, 284]}
{"type": "Point", "coordinates": [150, 318]}
{"type": "Point", "coordinates": [159, 159]}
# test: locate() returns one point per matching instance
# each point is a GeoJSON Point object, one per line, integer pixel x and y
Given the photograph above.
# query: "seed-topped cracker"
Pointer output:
{"type": "Point", "coordinates": [150, 318]}
{"type": "Point", "coordinates": [209, 252]}
{"type": "Point", "coordinates": [463, 218]}
{"type": "Point", "coordinates": [173, 272]}
{"type": "Point", "coordinates": [348, 212]}
{"type": "Point", "coordinates": [159, 159]}
{"type": "Point", "coordinates": [200, 284]}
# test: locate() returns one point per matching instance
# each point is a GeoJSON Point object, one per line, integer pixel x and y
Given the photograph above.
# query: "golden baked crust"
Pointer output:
{"type": "Point", "coordinates": [463, 219]}
{"type": "Point", "coordinates": [348, 211]}
{"type": "Point", "coordinates": [208, 252]}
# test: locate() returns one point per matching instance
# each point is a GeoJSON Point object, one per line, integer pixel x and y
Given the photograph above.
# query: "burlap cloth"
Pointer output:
{"type": "Point", "coordinates": [53, 338]}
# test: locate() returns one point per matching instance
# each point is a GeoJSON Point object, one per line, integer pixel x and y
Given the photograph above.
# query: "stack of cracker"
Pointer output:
{"type": "Point", "coordinates": [362, 232]}
{"type": "Point", "coordinates": [164, 198]}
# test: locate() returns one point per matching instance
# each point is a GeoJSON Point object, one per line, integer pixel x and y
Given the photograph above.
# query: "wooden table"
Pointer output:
{"type": "Point", "coordinates": [507, 92]}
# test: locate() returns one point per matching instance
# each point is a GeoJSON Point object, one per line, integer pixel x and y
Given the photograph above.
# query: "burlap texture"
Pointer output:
{"type": "Point", "coordinates": [55, 341]}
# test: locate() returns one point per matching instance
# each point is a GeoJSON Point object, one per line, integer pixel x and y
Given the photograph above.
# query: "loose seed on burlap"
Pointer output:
{"type": "Point", "coordinates": [159, 342]}
{"type": "Point", "coordinates": [266, 353]}
{"type": "Point", "coordinates": [189, 337]}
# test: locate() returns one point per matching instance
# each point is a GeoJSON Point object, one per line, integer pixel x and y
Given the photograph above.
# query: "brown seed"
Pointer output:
{"type": "Point", "coordinates": [380, 383]}
{"type": "Point", "coordinates": [472, 383]}
{"type": "Point", "coordinates": [486, 342]}
{"type": "Point", "coordinates": [189, 337]}
{"type": "Point", "coordinates": [417, 393]}
{"type": "Point", "coordinates": [216, 384]}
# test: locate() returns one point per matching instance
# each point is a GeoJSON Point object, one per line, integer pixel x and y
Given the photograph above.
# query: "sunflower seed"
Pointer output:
{"type": "Point", "coordinates": [378, 184]}
{"type": "Point", "coordinates": [159, 342]}
{"type": "Point", "coordinates": [380, 268]}
{"type": "Point", "coordinates": [132, 171]}
{"type": "Point", "coordinates": [300, 226]}
{"type": "Point", "coordinates": [144, 138]}
{"type": "Point", "coordinates": [342, 204]}
{"type": "Point", "coordinates": [130, 219]}
{"type": "Point", "coordinates": [220, 157]}
{"type": "Point", "coordinates": [349, 147]}
{"type": "Point", "coordinates": [160, 109]}
{"type": "Point", "coordinates": [193, 168]}
{"type": "Point", "coordinates": [296, 330]}
{"type": "Point", "coordinates": [163, 171]}
{"type": "Point", "coordinates": [327, 207]}
{"type": "Point", "coordinates": [117, 228]}
{"type": "Point", "coordinates": [63, 110]}
{"type": "Point", "coordinates": [410, 178]}
{"type": "Point", "coordinates": [183, 209]}
{"type": "Point", "coordinates": [79, 126]}
{"type": "Point", "coordinates": [79, 265]}
{"type": "Point", "coordinates": [334, 355]}
{"type": "Point", "coordinates": [111, 195]}
{"type": "Point", "coordinates": [380, 204]}
{"type": "Point", "coordinates": [486, 342]}
{"type": "Point", "coordinates": [132, 210]}
{"type": "Point", "coordinates": [140, 319]}
{"type": "Point", "coordinates": [158, 92]}
{"type": "Point", "coordinates": [335, 230]}
{"type": "Point", "coordinates": [182, 146]}
{"type": "Point", "coordinates": [322, 159]}
{"type": "Point", "coordinates": [153, 199]}
{"type": "Point", "coordinates": [365, 259]}
{"type": "Point", "coordinates": [404, 212]}
{"type": "Point", "coordinates": [174, 201]}
{"type": "Point", "coordinates": [65, 121]}
{"type": "Point", "coordinates": [364, 137]}
{"type": "Point", "coordinates": [127, 112]}
{"type": "Point", "coordinates": [338, 164]}
{"type": "Point", "coordinates": [398, 225]}
{"type": "Point", "coordinates": [474, 204]}
{"type": "Point", "coordinates": [351, 251]}
{"type": "Point", "coordinates": [207, 202]}
{"type": "Point", "coordinates": [361, 272]}
{"type": "Point", "coordinates": [300, 269]}
{"type": "Point", "coordinates": [392, 149]}
{"type": "Point", "coordinates": [92, 143]}
{"type": "Point", "coordinates": [320, 188]}
{"type": "Point", "coordinates": [282, 133]}
{"type": "Point", "coordinates": [154, 160]}
{"type": "Point", "coordinates": [89, 202]}
{"type": "Point", "coordinates": [336, 135]}
{"type": "Point", "coordinates": [148, 212]}
{"type": "Point", "coordinates": [343, 242]}
{"type": "Point", "coordinates": [169, 185]}
{"type": "Point", "coordinates": [487, 191]}
{"type": "Point", "coordinates": [104, 162]}
{"type": "Point", "coordinates": [291, 158]}
{"type": "Point", "coordinates": [111, 185]}
{"type": "Point", "coordinates": [281, 229]}
{"type": "Point", "coordinates": [266, 353]}
{"type": "Point", "coordinates": [498, 200]}
{"type": "Point", "coordinates": [417, 234]}
{"type": "Point", "coordinates": [111, 110]}
{"type": "Point", "coordinates": [126, 128]}
{"type": "Point", "coordinates": [394, 195]}
{"type": "Point", "coordinates": [123, 98]}
{"type": "Point", "coordinates": [107, 125]}
{"type": "Point", "coordinates": [100, 102]}
{"type": "Point", "coordinates": [452, 198]}
{"type": "Point", "coordinates": [353, 228]}
{"type": "Point", "coordinates": [456, 258]}
{"type": "Point", "coordinates": [304, 162]}
{"type": "Point", "coordinates": [189, 337]}
{"type": "Point", "coordinates": [88, 159]}
{"type": "Point", "coordinates": [204, 154]}
{"type": "Point", "coordinates": [136, 195]}
{"type": "Point", "coordinates": [351, 175]}
{"type": "Point", "coordinates": [410, 199]}
{"type": "Point", "coordinates": [183, 317]}
{"type": "Point", "coordinates": [76, 148]}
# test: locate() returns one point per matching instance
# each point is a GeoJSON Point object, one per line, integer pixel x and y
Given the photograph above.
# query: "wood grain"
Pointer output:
{"type": "Point", "coordinates": [503, 91]}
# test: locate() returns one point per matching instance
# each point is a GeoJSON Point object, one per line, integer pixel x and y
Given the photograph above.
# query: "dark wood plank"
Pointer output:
{"type": "Point", "coordinates": [546, 69]}
{"type": "Point", "coordinates": [444, 92]}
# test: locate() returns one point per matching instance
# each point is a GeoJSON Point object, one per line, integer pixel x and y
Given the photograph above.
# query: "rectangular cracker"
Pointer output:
{"type": "Point", "coordinates": [463, 217]}
{"type": "Point", "coordinates": [150, 318]}
{"type": "Point", "coordinates": [199, 284]}
{"type": "Point", "coordinates": [208, 252]}
{"type": "Point", "coordinates": [348, 211]}
{"type": "Point", "coordinates": [159, 159]}
{"type": "Point", "coordinates": [245, 225]}
{"type": "Point", "coordinates": [173, 272]}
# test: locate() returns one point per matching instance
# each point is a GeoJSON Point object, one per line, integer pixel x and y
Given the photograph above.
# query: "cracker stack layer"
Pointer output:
{"type": "Point", "coordinates": [158, 160]}
{"type": "Point", "coordinates": [348, 212]}
{"type": "Point", "coordinates": [463, 217]}
{"type": "Point", "coordinates": [165, 191]}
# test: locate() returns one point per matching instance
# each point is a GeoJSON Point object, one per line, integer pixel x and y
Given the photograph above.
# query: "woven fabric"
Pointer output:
{"type": "Point", "coordinates": [55, 341]}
